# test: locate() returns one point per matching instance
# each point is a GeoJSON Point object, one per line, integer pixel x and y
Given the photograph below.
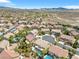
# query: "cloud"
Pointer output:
{"type": "Point", "coordinates": [7, 3]}
{"type": "Point", "coordinates": [72, 7]}
{"type": "Point", "coordinates": [4, 1]}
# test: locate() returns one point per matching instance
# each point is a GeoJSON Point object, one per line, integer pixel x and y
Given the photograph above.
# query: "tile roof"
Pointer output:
{"type": "Point", "coordinates": [20, 27]}
{"type": "Point", "coordinates": [42, 43]}
{"type": "Point", "coordinates": [4, 44]}
{"type": "Point", "coordinates": [27, 58]}
{"type": "Point", "coordinates": [12, 53]}
{"type": "Point", "coordinates": [4, 55]}
{"type": "Point", "coordinates": [70, 39]}
{"type": "Point", "coordinates": [56, 30]}
{"type": "Point", "coordinates": [30, 37]}
{"type": "Point", "coordinates": [75, 57]}
{"type": "Point", "coordinates": [58, 51]}
{"type": "Point", "coordinates": [74, 33]}
{"type": "Point", "coordinates": [8, 35]}
{"type": "Point", "coordinates": [34, 31]}
{"type": "Point", "coordinates": [45, 29]}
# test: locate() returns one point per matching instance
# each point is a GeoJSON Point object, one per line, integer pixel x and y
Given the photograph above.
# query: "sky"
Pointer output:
{"type": "Point", "coordinates": [30, 4]}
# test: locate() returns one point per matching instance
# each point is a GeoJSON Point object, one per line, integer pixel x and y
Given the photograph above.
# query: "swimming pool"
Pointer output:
{"type": "Point", "coordinates": [48, 57]}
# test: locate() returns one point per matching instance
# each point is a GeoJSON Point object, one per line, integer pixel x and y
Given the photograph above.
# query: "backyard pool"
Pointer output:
{"type": "Point", "coordinates": [48, 57]}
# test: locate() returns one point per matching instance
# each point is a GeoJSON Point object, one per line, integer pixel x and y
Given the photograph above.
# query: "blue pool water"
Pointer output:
{"type": "Point", "coordinates": [48, 57]}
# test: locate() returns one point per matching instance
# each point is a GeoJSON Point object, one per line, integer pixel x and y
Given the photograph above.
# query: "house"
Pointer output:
{"type": "Point", "coordinates": [58, 51]}
{"type": "Point", "coordinates": [58, 26]}
{"type": "Point", "coordinates": [49, 26]}
{"type": "Point", "coordinates": [4, 55]}
{"type": "Point", "coordinates": [27, 58]}
{"type": "Point", "coordinates": [8, 35]}
{"type": "Point", "coordinates": [11, 53]}
{"type": "Point", "coordinates": [28, 25]}
{"type": "Point", "coordinates": [74, 33]}
{"type": "Point", "coordinates": [67, 38]}
{"type": "Point", "coordinates": [45, 29]}
{"type": "Point", "coordinates": [50, 22]}
{"type": "Point", "coordinates": [42, 26]}
{"type": "Point", "coordinates": [75, 57]}
{"type": "Point", "coordinates": [1, 29]}
{"type": "Point", "coordinates": [22, 22]}
{"type": "Point", "coordinates": [61, 44]}
{"type": "Point", "coordinates": [34, 26]}
{"type": "Point", "coordinates": [5, 29]}
{"type": "Point", "coordinates": [2, 25]}
{"type": "Point", "coordinates": [56, 32]}
{"type": "Point", "coordinates": [12, 47]}
{"type": "Point", "coordinates": [48, 38]}
{"type": "Point", "coordinates": [43, 22]}
{"type": "Point", "coordinates": [30, 37]}
{"type": "Point", "coordinates": [34, 31]}
{"type": "Point", "coordinates": [9, 25]}
{"type": "Point", "coordinates": [4, 44]}
{"type": "Point", "coordinates": [20, 27]}
{"type": "Point", "coordinates": [70, 29]}
{"type": "Point", "coordinates": [38, 37]}
{"type": "Point", "coordinates": [42, 43]}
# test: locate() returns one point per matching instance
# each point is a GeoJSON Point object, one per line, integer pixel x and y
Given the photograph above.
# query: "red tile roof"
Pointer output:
{"type": "Point", "coordinates": [5, 55]}
{"type": "Point", "coordinates": [8, 54]}
{"type": "Point", "coordinates": [30, 37]}
{"type": "Point", "coordinates": [12, 53]}
{"type": "Point", "coordinates": [58, 51]}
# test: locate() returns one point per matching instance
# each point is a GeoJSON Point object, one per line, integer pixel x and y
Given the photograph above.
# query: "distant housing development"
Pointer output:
{"type": "Point", "coordinates": [38, 34]}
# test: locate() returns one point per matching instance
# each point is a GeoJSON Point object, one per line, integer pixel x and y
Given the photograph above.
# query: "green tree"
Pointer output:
{"type": "Point", "coordinates": [76, 45]}
{"type": "Point", "coordinates": [41, 33]}
{"type": "Point", "coordinates": [72, 51]}
{"type": "Point", "coordinates": [22, 33]}
{"type": "Point", "coordinates": [77, 37]}
{"type": "Point", "coordinates": [24, 48]}
{"type": "Point", "coordinates": [1, 38]}
{"type": "Point", "coordinates": [45, 51]}
{"type": "Point", "coordinates": [11, 39]}
{"type": "Point", "coordinates": [65, 31]}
